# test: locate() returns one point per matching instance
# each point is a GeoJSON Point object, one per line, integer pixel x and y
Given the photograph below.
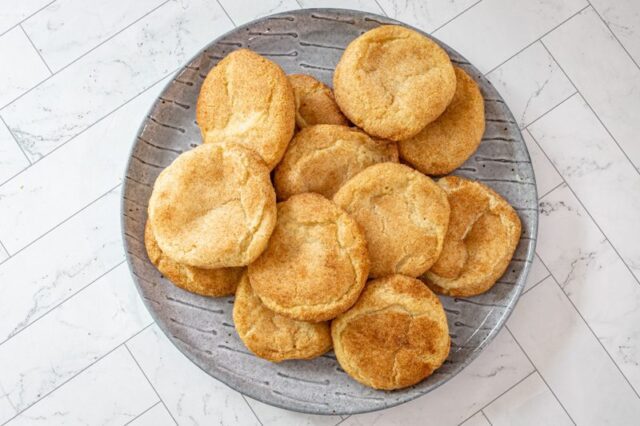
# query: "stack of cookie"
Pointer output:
{"type": "Point", "coordinates": [317, 211]}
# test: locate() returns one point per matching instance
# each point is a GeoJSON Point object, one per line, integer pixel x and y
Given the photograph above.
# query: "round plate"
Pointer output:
{"type": "Point", "coordinates": [311, 42]}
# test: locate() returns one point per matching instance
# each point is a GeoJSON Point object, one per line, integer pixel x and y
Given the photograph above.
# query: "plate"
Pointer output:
{"type": "Point", "coordinates": [311, 41]}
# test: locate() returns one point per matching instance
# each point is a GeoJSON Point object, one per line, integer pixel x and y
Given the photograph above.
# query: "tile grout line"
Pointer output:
{"type": "Point", "coordinates": [65, 220]}
{"type": "Point", "coordinates": [613, 34]}
{"type": "Point", "coordinates": [300, 4]}
{"type": "Point", "coordinates": [5, 250]}
{"type": "Point", "coordinates": [80, 290]}
{"type": "Point", "coordinates": [141, 414]}
{"type": "Point", "coordinates": [455, 17]}
{"type": "Point", "coordinates": [592, 110]}
{"type": "Point", "coordinates": [536, 284]}
{"type": "Point", "coordinates": [384, 12]}
{"type": "Point", "coordinates": [587, 211]}
{"type": "Point", "coordinates": [227, 13]}
{"type": "Point", "coordinates": [36, 49]}
{"type": "Point", "coordinates": [148, 381]}
{"type": "Point", "coordinates": [536, 40]}
{"type": "Point", "coordinates": [506, 326]}
{"type": "Point", "coordinates": [552, 189]}
{"type": "Point", "coordinates": [550, 110]}
{"type": "Point", "coordinates": [79, 372]}
{"type": "Point", "coordinates": [250, 408]}
{"type": "Point", "coordinates": [19, 147]}
{"type": "Point", "coordinates": [486, 417]}
{"type": "Point", "coordinates": [27, 17]}
{"type": "Point", "coordinates": [84, 54]}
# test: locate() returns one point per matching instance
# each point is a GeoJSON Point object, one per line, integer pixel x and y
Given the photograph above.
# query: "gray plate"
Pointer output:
{"type": "Point", "coordinates": [311, 41]}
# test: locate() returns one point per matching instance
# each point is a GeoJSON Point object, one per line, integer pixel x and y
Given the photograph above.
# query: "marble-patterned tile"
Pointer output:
{"type": "Point", "coordinates": [191, 395]}
{"type": "Point", "coordinates": [112, 391]}
{"type": "Point", "coordinates": [494, 30]}
{"type": "Point", "coordinates": [54, 30]}
{"type": "Point", "coordinates": [501, 365]}
{"type": "Point", "coordinates": [547, 177]}
{"type": "Point", "coordinates": [596, 169]}
{"type": "Point", "coordinates": [537, 273]}
{"type": "Point", "coordinates": [569, 357]}
{"type": "Point", "coordinates": [532, 83]}
{"type": "Point", "coordinates": [274, 416]}
{"type": "Point", "coordinates": [79, 172]}
{"type": "Point", "coordinates": [529, 403]}
{"type": "Point", "coordinates": [59, 264]}
{"type": "Point", "coordinates": [113, 73]}
{"type": "Point", "coordinates": [12, 160]}
{"type": "Point", "coordinates": [364, 5]}
{"type": "Point", "coordinates": [19, 11]}
{"type": "Point", "coordinates": [426, 15]}
{"type": "Point", "coordinates": [243, 11]}
{"type": "Point", "coordinates": [155, 416]}
{"type": "Point", "coordinates": [477, 419]}
{"type": "Point", "coordinates": [22, 67]}
{"type": "Point", "coordinates": [586, 267]}
{"type": "Point", "coordinates": [590, 55]}
{"type": "Point", "coordinates": [622, 17]}
{"type": "Point", "coordinates": [69, 339]}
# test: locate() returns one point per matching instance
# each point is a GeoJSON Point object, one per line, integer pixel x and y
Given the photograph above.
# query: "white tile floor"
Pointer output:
{"type": "Point", "coordinates": [78, 347]}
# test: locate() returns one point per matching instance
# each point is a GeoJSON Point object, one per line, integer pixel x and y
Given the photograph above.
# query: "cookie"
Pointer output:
{"type": "Point", "coordinates": [447, 142]}
{"type": "Point", "coordinates": [395, 336]}
{"type": "Point", "coordinates": [321, 158]}
{"type": "Point", "coordinates": [392, 81]}
{"type": "Point", "coordinates": [272, 336]}
{"type": "Point", "coordinates": [483, 233]}
{"type": "Point", "coordinates": [213, 207]}
{"type": "Point", "coordinates": [404, 215]}
{"type": "Point", "coordinates": [316, 263]}
{"type": "Point", "coordinates": [314, 102]}
{"type": "Point", "coordinates": [247, 99]}
{"type": "Point", "coordinates": [206, 282]}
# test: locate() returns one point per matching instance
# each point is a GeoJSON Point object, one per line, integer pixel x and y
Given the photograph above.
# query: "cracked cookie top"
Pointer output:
{"type": "Point", "coordinates": [483, 234]}
{"type": "Point", "coordinates": [404, 215]}
{"type": "Point", "coordinates": [314, 102]}
{"type": "Point", "coordinates": [316, 263]}
{"type": "Point", "coordinates": [273, 336]}
{"type": "Point", "coordinates": [392, 81]}
{"type": "Point", "coordinates": [247, 99]}
{"type": "Point", "coordinates": [321, 158]}
{"type": "Point", "coordinates": [213, 207]}
{"type": "Point", "coordinates": [394, 336]}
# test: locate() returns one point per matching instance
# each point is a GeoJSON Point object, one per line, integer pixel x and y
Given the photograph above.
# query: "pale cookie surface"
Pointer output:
{"type": "Point", "coordinates": [446, 143]}
{"type": "Point", "coordinates": [248, 100]}
{"type": "Point", "coordinates": [213, 207]}
{"type": "Point", "coordinates": [403, 213]}
{"type": "Point", "coordinates": [206, 282]}
{"type": "Point", "coordinates": [394, 336]}
{"type": "Point", "coordinates": [272, 336]}
{"type": "Point", "coordinates": [392, 81]}
{"type": "Point", "coordinates": [315, 103]}
{"type": "Point", "coordinates": [322, 158]}
{"type": "Point", "coordinates": [483, 233]}
{"type": "Point", "coordinates": [316, 263]}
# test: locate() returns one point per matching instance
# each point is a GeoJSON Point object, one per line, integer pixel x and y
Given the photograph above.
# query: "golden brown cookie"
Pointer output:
{"type": "Point", "coordinates": [394, 336]}
{"type": "Point", "coordinates": [483, 233]}
{"type": "Point", "coordinates": [272, 336]}
{"type": "Point", "coordinates": [404, 215]}
{"type": "Point", "coordinates": [247, 99]}
{"type": "Point", "coordinates": [316, 263]}
{"type": "Point", "coordinates": [447, 142]}
{"type": "Point", "coordinates": [206, 282]}
{"type": "Point", "coordinates": [321, 158]}
{"type": "Point", "coordinates": [213, 207]}
{"type": "Point", "coordinates": [392, 81]}
{"type": "Point", "coordinates": [314, 102]}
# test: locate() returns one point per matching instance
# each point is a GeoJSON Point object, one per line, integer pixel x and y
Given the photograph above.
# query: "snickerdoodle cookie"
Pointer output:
{"type": "Point", "coordinates": [213, 207]}
{"type": "Point", "coordinates": [314, 102]}
{"type": "Point", "coordinates": [206, 282]}
{"type": "Point", "coordinates": [272, 336]}
{"type": "Point", "coordinates": [247, 99]}
{"type": "Point", "coordinates": [483, 233]}
{"type": "Point", "coordinates": [447, 142]}
{"type": "Point", "coordinates": [392, 81]}
{"type": "Point", "coordinates": [394, 336]}
{"type": "Point", "coordinates": [321, 158]}
{"type": "Point", "coordinates": [316, 263]}
{"type": "Point", "coordinates": [404, 215]}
